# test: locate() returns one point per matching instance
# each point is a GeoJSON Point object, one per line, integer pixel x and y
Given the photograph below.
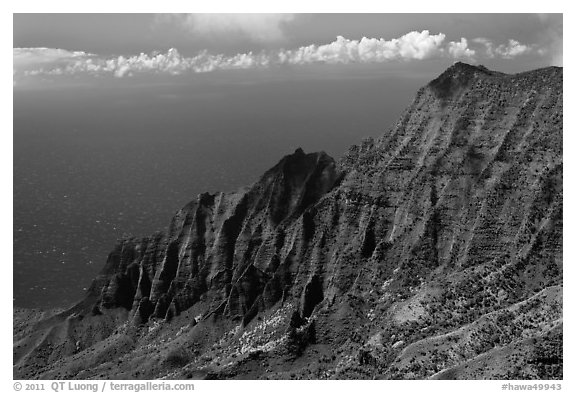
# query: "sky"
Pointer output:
{"type": "Point", "coordinates": [64, 49]}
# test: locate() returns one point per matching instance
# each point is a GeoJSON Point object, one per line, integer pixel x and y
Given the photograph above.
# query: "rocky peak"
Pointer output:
{"type": "Point", "coordinates": [457, 77]}
{"type": "Point", "coordinates": [296, 182]}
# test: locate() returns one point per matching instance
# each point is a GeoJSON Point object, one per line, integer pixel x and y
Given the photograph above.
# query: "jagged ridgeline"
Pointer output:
{"type": "Point", "coordinates": [434, 251]}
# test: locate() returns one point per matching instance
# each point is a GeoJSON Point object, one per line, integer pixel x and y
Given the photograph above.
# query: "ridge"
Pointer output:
{"type": "Point", "coordinates": [443, 228]}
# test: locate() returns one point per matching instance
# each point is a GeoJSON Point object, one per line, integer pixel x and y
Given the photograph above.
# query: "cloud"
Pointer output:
{"type": "Point", "coordinates": [413, 46]}
{"type": "Point", "coordinates": [25, 57]}
{"type": "Point", "coordinates": [171, 62]}
{"type": "Point", "coordinates": [460, 49]}
{"type": "Point", "coordinates": [256, 27]}
{"type": "Point", "coordinates": [488, 46]}
{"type": "Point", "coordinates": [512, 49]}
{"type": "Point", "coordinates": [509, 50]}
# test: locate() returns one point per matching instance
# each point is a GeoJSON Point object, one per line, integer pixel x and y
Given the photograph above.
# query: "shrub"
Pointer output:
{"type": "Point", "coordinates": [177, 358]}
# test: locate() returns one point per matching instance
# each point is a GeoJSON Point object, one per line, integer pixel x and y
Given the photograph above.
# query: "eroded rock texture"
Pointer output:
{"type": "Point", "coordinates": [433, 251]}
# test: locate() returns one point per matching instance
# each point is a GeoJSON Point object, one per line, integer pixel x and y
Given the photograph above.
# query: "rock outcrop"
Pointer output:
{"type": "Point", "coordinates": [447, 225]}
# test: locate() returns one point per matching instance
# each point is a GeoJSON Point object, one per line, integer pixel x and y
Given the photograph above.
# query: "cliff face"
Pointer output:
{"type": "Point", "coordinates": [231, 246]}
{"type": "Point", "coordinates": [436, 246]}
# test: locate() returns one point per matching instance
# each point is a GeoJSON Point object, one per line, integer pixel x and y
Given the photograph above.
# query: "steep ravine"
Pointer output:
{"type": "Point", "coordinates": [433, 251]}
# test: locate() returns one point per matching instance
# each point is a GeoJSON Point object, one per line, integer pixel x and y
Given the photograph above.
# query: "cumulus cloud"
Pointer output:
{"type": "Point", "coordinates": [512, 49]}
{"type": "Point", "coordinates": [171, 62]}
{"type": "Point", "coordinates": [414, 45]}
{"type": "Point", "coordinates": [409, 47]}
{"type": "Point", "coordinates": [460, 49]}
{"type": "Point", "coordinates": [257, 27]}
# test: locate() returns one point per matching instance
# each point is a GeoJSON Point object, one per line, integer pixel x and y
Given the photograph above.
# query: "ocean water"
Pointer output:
{"type": "Point", "coordinates": [92, 165]}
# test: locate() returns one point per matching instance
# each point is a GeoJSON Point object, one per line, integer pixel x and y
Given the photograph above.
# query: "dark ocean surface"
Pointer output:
{"type": "Point", "coordinates": [92, 165]}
